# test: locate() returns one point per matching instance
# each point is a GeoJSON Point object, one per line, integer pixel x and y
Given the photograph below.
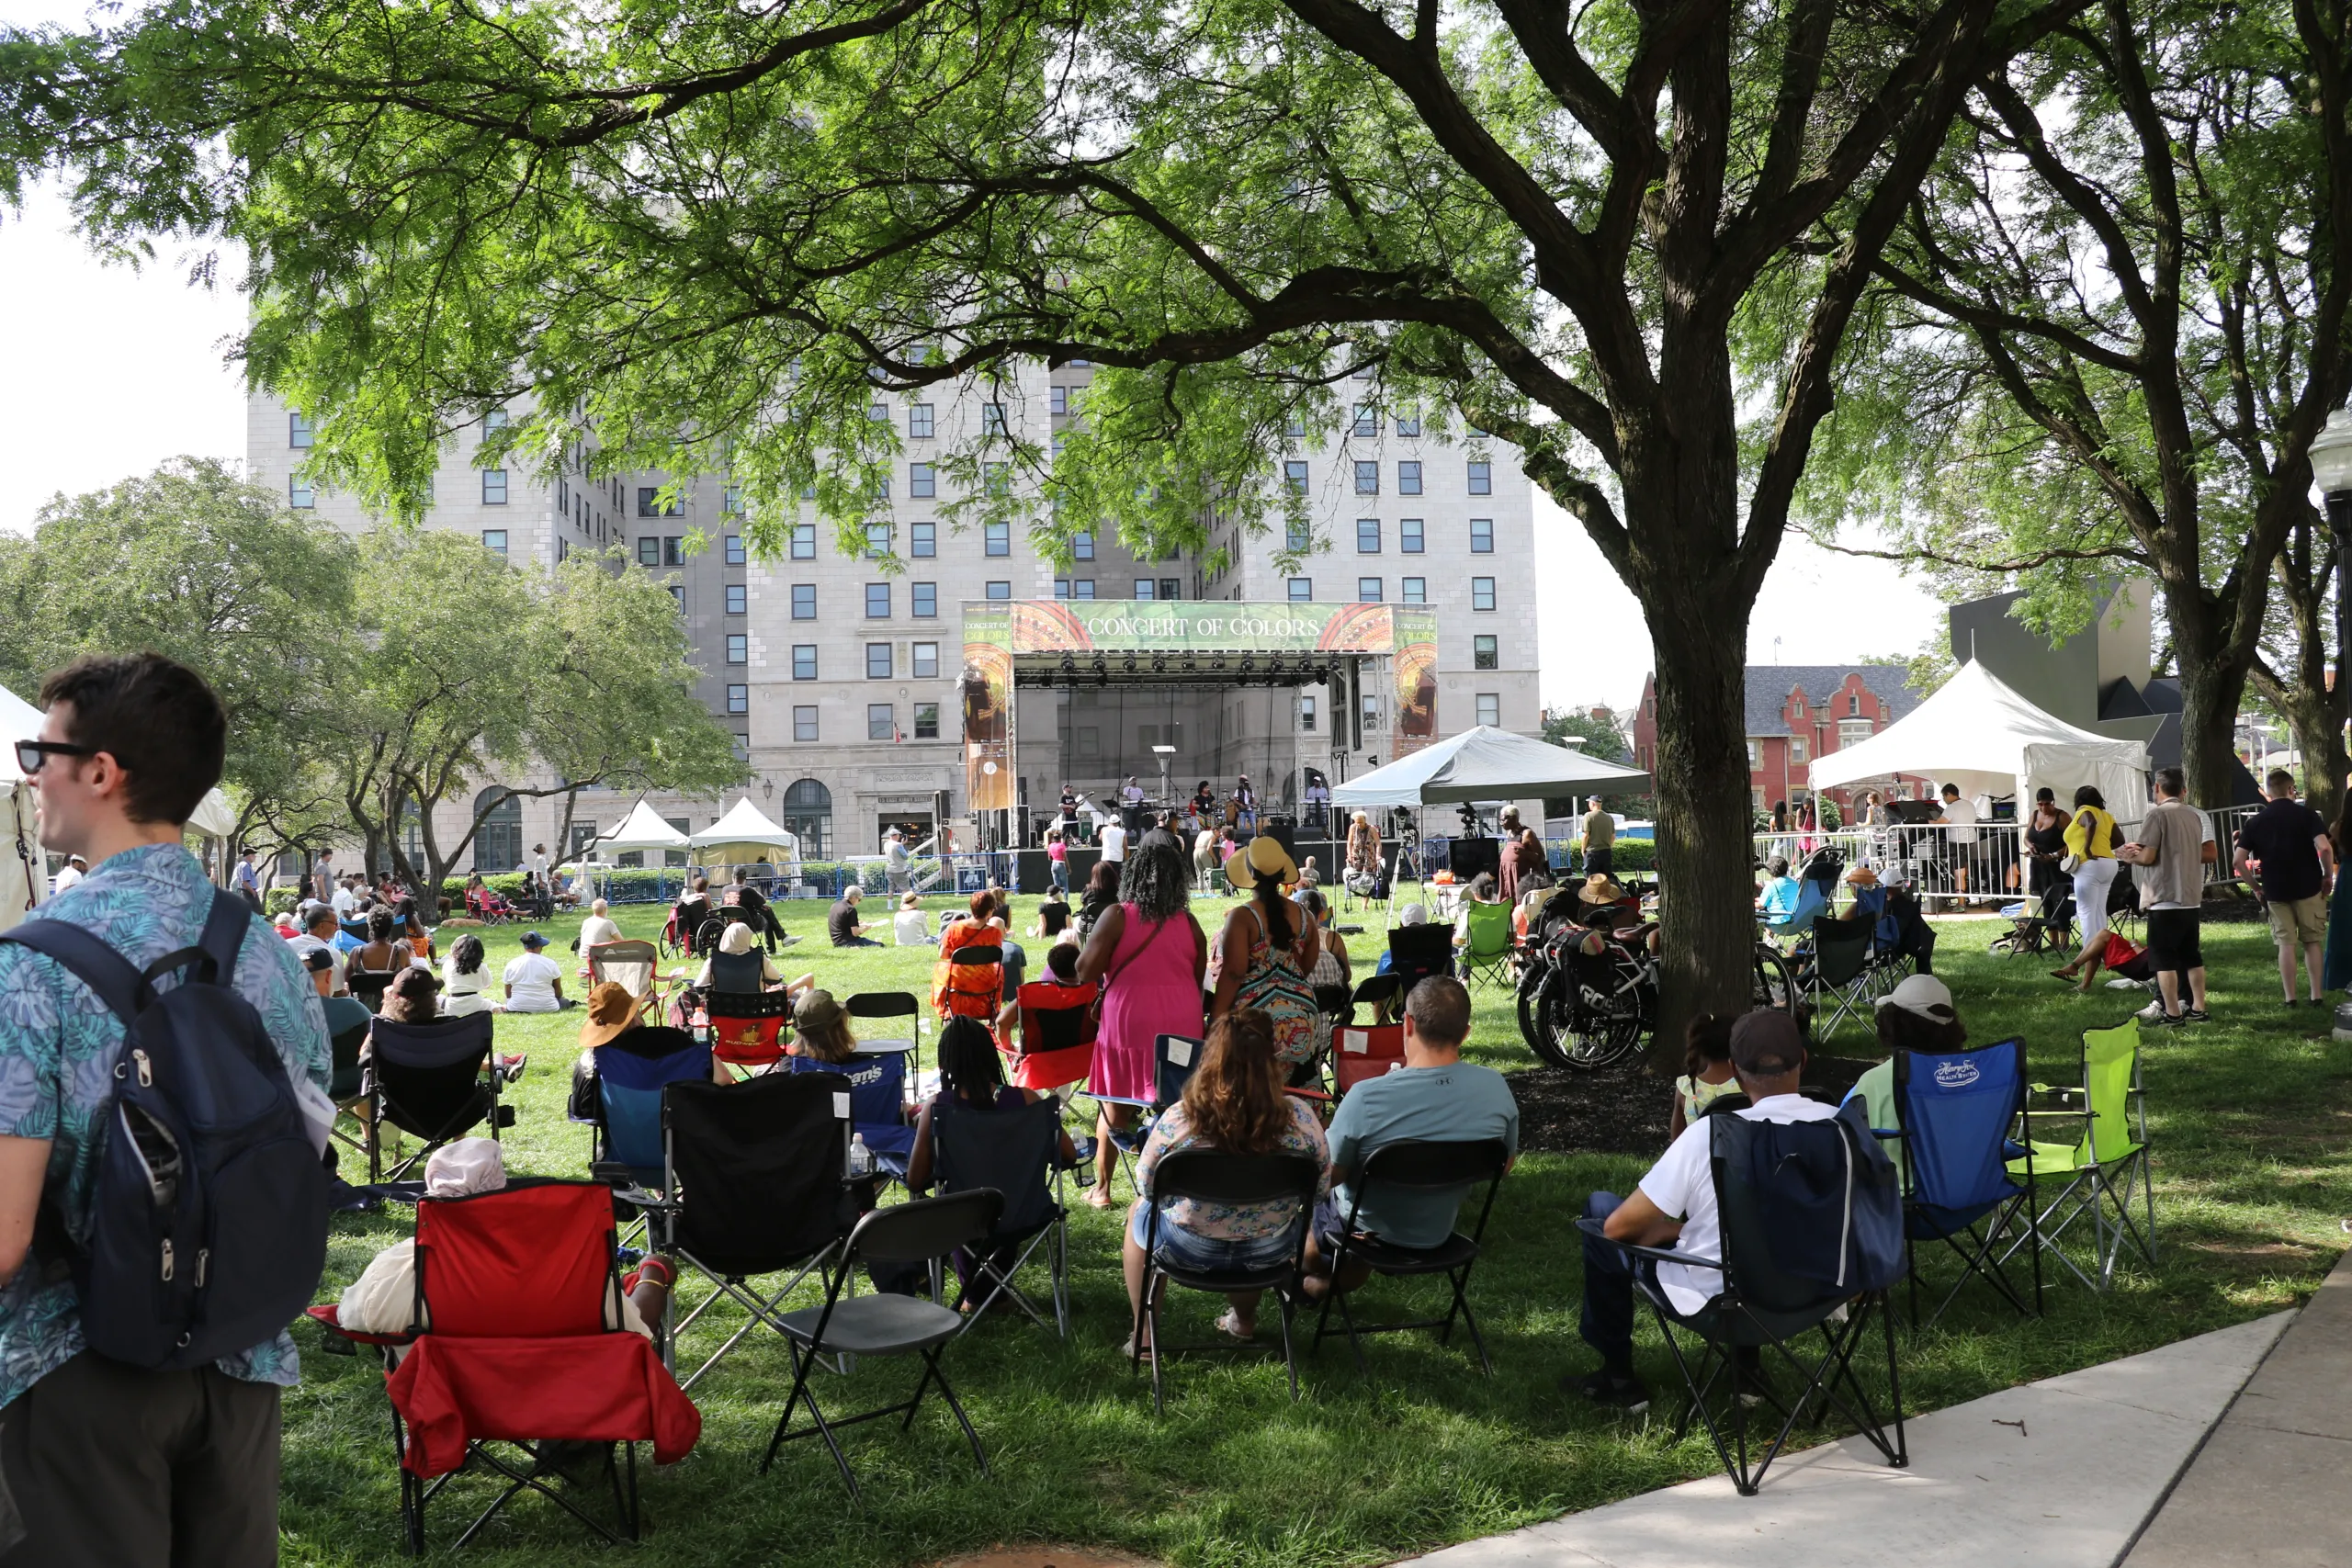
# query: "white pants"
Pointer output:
{"type": "Point", "coordinates": [2091, 881]}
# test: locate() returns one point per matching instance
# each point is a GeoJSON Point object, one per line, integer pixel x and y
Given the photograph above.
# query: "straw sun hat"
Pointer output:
{"type": "Point", "coordinates": [1264, 857]}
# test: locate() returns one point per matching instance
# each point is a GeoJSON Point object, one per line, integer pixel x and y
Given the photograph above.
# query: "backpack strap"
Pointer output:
{"type": "Point", "coordinates": [96, 963]}
{"type": "Point", "coordinates": [224, 934]}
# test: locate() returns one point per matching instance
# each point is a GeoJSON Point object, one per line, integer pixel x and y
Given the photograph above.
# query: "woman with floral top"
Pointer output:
{"type": "Point", "coordinates": [1234, 1102]}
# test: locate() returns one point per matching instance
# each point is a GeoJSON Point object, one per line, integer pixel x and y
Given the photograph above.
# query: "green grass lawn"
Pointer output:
{"type": "Point", "coordinates": [2249, 1118]}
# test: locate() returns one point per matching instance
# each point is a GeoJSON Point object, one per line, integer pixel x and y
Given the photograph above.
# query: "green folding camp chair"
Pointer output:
{"type": "Point", "coordinates": [1488, 956]}
{"type": "Point", "coordinates": [2100, 1175]}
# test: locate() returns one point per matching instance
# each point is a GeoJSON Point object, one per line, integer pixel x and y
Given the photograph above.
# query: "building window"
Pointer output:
{"type": "Point", "coordinates": [996, 478]}
{"type": "Point", "coordinates": [881, 722]}
{"type": "Point", "coordinates": [919, 421]}
{"type": "Point", "coordinates": [1143, 588]}
{"type": "Point", "coordinates": [1061, 587]}
{"type": "Point", "coordinates": [926, 660]}
{"type": "Point", "coordinates": [494, 541]}
{"type": "Point", "coordinates": [926, 721]}
{"type": "Point", "coordinates": [1367, 591]}
{"type": "Point", "coordinates": [804, 722]}
{"type": "Point", "coordinates": [1004, 590]}
{"type": "Point", "coordinates": [878, 412]}
{"type": "Point", "coordinates": [735, 556]}
{"type": "Point", "coordinates": [1171, 588]}
{"type": "Point", "coordinates": [1853, 731]}
{"type": "Point", "coordinates": [1082, 589]}
{"type": "Point", "coordinates": [1367, 420]}
{"type": "Point", "coordinates": [1413, 590]}
{"type": "Point", "coordinates": [648, 551]}
{"type": "Point", "coordinates": [738, 699]}
{"type": "Point", "coordinates": [1081, 546]}
{"type": "Point", "coordinates": [678, 598]}
{"type": "Point", "coordinates": [1372, 710]}
{"type": "Point", "coordinates": [924, 539]}
{"type": "Point", "coordinates": [1853, 701]}
{"type": "Point", "coordinates": [1058, 400]}
{"type": "Point", "coordinates": [731, 501]}
{"type": "Point", "coordinates": [299, 430]}
{"type": "Point", "coordinates": [1367, 536]}
{"type": "Point", "coordinates": [804, 660]}
{"type": "Point", "coordinates": [877, 661]}
{"type": "Point", "coordinates": [804, 541]}
{"type": "Point", "coordinates": [1409, 478]}
{"type": "Point", "coordinates": [1306, 711]}
{"type": "Point", "coordinates": [1490, 708]}
{"type": "Point", "coordinates": [1485, 652]}
{"type": "Point", "coordinates": [1482, 592]}
{"type": "Point", "coordinates": [493, 487]}
{"type": "Point", "coordinates": [1796, 749]}
{"type": "Point", "coordinates": [1367, 478]}
{"type": "Point", "coordinates": [999, 538]}
{"type": "Point", "coordinates": [1408, 536]}
{"type": "Point", "coordinates": [1302, 589]}
{"type": "Point", "coordinates": [1482, 536]}
{"type": "Point", "coordinates": [735, 594]}
{"type": "Point", "coordinates": [877, 541]}
{"type": "Point", "coordinates": [299, 493]}
{"type": "Point", "coordinates": [926, 600]}
{"type": "Point", "coordinates": [878, 601]}
{"type": "Point", "coordinates": [922, 479]}
{"type": "Point", "coordinates": [738, 649]}
{"type": "Point", "coordinates": [1408, 425]}
{"type": "Point", "coordinates": [1296, 537]}
{"type": "Point", "coordinates": [673, 551]}
{"type": "Point", "coordinates": [804, 601]}
{"type": "Point", "coordinates": [991, 419]}
{"type": "Point", "coordinates": [649, 503]}
{"type": "Point", "coordinates": [1482, 478]}
{"type": "Point", "coordinates": [1755, 760]}
{"type": "Point", "coordinates": [1294, 475]}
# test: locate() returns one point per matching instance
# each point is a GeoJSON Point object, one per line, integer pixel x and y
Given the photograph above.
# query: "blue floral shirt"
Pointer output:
{"type": "Point", "coordinates": [58, 1045]}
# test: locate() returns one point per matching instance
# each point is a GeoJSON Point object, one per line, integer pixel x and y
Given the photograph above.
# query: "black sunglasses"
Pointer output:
{"type": "Point", "coordinates": [31, 754]}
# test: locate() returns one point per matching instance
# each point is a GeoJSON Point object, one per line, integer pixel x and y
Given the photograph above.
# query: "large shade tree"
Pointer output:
{"type": "Point", "coordinates": [1625, 239]}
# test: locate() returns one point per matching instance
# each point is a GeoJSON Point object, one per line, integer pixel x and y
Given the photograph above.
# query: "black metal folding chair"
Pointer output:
{"type": "Point", "coordinates": [433, 1080]}
{"type": "Point", "coordinates": [922, 1231]}
{"type": "Point", "coordinates": [1209, 1175]}
{"type": "Point", "coordinates": [1416, 953]}
{"type": "Point", "coordinates": [1426, 1166]}
{"type": "Point", "coordinates": [368, 986]}
{"type": "Point", "coordinates": [1016, 1153]}
{"type": "Point", "coordinates": [1835, 978]}
{"type": "Point", "coordinates": [891, 1005]}
{"type": "Point", "coordinates": [1378, 992]}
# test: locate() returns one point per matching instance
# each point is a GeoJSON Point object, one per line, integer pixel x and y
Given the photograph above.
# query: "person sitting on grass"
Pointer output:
{"type": "Point", "coordinates": [1234, 1102]}
{"type": "Point", "coordinates": [1706, 1070]}
{"type": "Point", "coordinates": [1053, 922]}
{"type": "Point", "coordinates": [533, 981]}
{"type": "Point", "coordinates": [1675, 1207]}
{"type": "Point", "coordinates": [907, 927]}
{"type": "Point", "coordinates": [598, 927]}
{"type": "Point", "coordinates": [465, 981]}
{"type": "Point", "coordinates": [1436, 1097]}
{"type": "Point", "coordinates": [842, 924]}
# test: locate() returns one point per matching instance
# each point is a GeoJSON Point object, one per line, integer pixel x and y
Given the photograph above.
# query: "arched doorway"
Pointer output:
{"type": "Point", "coordinates": [808, 816]}
{"type": "Point", "coordinates": [498, 844]}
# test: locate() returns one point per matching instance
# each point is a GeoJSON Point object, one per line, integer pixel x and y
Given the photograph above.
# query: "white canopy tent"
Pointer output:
{"type": "Point", "coordinates": [641, 829]}
{"type": "Point", "coordinates": [1486, 765]}
{"type": "Point", "coordinates": [742, 836]}
{"type": "Point", "coordinates": [1977, 732]}
{"type": "Point", "coordinates": [24, 875]}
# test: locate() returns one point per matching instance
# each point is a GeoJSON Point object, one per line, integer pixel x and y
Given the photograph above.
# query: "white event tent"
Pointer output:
{"type": "Point", "coordinates": [744, 835]}
{"type": "Point", "coordinates": [1977, 732]}
{"type": "Point", "coordinates": [641, 829]}
{"type": "Point", "coordinates": [24, 875]}
{"type": "Point", "coordinates": [1485, 763]}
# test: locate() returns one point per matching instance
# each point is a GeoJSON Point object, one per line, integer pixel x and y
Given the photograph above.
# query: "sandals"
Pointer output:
{"type": "Point", "coordinates": [1229, 1325]}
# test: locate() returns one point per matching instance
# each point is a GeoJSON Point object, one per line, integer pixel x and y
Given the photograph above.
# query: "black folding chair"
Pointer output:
{"type": "Point", "coordinates": [1763, 1305]}
{"type": "Point", "coordinates": [1378, 992]}
{"type": "Point", "coordinates": [1416, 953]}
{"type": "Point", "coordinates": [432, 1080]}
{"type": "Point", "coordinates": [1209, 1175]}
{"type": "Point", "coordinates": [368, 986]}
{"type": "Point", "coordinates": [1834, 977]}
{"type": "Point", "coordinates": [891, 1005]}
{"type": "Point", "coordinates": [758, 1173]}
{"type": "Point", "coordinates": [1016, 1153]}
{"type": "Point", "coordinates": [922, 1231]}
{"type": "Point", "coordinates": [1426, 1166]}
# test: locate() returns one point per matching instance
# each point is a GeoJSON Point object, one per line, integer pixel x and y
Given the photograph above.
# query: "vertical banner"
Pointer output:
{"type": "Point", "coordinates": [1415, 667]}
{"type": "Point", "coordinates": [988, 707]}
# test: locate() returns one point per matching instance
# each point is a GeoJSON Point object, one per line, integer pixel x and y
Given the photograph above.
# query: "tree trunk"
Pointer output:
{"type": "Point", "coordinates": [2211, 690]}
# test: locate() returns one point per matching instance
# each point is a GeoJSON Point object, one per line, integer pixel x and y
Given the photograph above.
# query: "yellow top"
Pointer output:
{"type": "Point", "coordinates": [2090, 833]}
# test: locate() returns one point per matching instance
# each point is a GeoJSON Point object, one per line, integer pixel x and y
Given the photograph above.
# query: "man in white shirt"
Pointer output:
{"type": "Point", "coordinates": [1113, 840]}
{"type": "Point", "coordinates": [346, 901]}
{"type": "Point", "coordinates": [533, 981]}
{"type": "Point", "coordinates": [74, 871]}
{"type": "Point", "coordinates": [1959, 834]}
{"type": "Point", "coordinates": [320, 928]}
{"type": "Point", "coordinates": [598, 927]}
{"type": "Point", "coordinates": [247, 878]}
{"type": "Point", "coordinates": [1675, 1207]}
{"type": "Point", "coordinates": [898, 864]}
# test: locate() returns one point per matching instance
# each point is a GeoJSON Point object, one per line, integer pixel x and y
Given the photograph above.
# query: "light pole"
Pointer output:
{"type": "Point", "coordinates": [2332, 471]}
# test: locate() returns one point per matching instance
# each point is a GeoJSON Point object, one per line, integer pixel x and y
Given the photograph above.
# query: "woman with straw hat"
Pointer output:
{"type": "Point", "coordinates": [1266, 950]}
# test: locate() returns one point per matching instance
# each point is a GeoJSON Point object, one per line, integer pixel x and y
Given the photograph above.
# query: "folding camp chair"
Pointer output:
{"type": "Point", "coordinates": [434, 1080]}
{"type": "Point", "coordinates": [891, 1005]}
{"type": "Point", "coordinates": [1209, 1175]}
{"type": "Point", "coordinates": [634, 965]}
{"type": "Point", "coordinates": [1763, 1303]}
{"type": "Point", "coordinates": [518, 1286]}
{"type": "Point", "coordinates": [631, 1072]}
{"type": "Point", "coordinates": [368, 986]}
{"type": "Point", "coordinates": [1415, 1166]}
{"type": "Point", "coordinates": [757, 1173]}
{"type": "Point", "coordinates": [2044, 925]}
{"type": "Point", "coordinates": [348, 1026]}
{"type": "Point", "coordinates": [1487, 956]}
{"type": "Point", "coordinates": [1381, 992]}
{"type": "Point", "coordinates": [1809, 907]}
{"type": "Point", "coordinates": [1017, 1153]}
{"type": "Point", "coordinates": [1955, 1112]}
{"type": "Point", "coordinates": [1835, 975]}
{"type": "Point", "coordinates": [1416, 953]}
{"type": "Point", "coordinates": [877, 1101]}
{"type": "Point", "coordinates": [922, 1231]}
{"type": "Point", "coordinates": [1367, 1053]}
{"type": "Point", "coordinates": [974, 984]}
{"type": "Point", "coordinates": [747, 1027]}
{"type": "Point", "coordinates": [1057, 1035]}
{"type": "Point", "coordinates": [1174, 1058]}
{"type": "Point", "coordinates": [2103, 1170]}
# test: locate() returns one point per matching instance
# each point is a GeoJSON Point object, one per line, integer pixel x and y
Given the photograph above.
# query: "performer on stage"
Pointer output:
{"type": "Point", "coordinates": [1246, 800]}
{"type": "Point", "coordinates": [1131, 800]}
{"type": "Point", "coordinates": [1203, 803]}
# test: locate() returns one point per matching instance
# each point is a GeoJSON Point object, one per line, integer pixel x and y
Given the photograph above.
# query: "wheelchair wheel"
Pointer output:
{"type": "Point", "coordinates": [707, 937]}
{"type": "Point", "coordinates": [1775, 989]}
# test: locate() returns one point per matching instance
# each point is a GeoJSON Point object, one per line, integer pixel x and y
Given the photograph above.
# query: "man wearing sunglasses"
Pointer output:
{"type": "Point", "coordinates": [101, 1461]}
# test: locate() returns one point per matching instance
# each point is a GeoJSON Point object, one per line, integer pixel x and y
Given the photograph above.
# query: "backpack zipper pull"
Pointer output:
{"type": "Point", "coordinates": [146, 1068]}
{"type": "Point", "coordinates": [203, 1256]}
{"type": "Point", "coordinates": [167, 1259]}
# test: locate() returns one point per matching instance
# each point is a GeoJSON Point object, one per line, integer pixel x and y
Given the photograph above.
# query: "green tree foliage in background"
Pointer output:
{"type": "Point", "coordinates": [1600, 739]}
{"type": "Point", "coordinates": [1626, 240]}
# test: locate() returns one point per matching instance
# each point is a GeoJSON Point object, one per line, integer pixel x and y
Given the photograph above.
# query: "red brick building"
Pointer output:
{"type": "Point", "coordinates": [1796, 712]}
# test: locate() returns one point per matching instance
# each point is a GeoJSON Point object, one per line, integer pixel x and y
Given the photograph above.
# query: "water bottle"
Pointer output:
{"type": "Point", "coordinates": [702, 1026]}
{"type": "Point", "coordinates": [861, 1159]}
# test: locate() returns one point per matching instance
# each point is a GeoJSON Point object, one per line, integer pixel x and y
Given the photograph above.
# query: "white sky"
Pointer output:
{"type": "Point", "coordinates": [115, 371]}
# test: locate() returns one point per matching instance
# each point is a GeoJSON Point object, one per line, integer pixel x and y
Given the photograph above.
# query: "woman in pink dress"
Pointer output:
{"type": "Point", "coordinates": [1149, 953]}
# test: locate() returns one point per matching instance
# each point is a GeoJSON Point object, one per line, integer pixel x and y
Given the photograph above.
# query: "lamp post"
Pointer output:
{"type": "Point", "coordinates": [2332, 471]}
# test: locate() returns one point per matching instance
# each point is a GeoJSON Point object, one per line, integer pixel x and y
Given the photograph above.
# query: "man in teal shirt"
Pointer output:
{"type": "Point", "coordinates": [1435, 1096]}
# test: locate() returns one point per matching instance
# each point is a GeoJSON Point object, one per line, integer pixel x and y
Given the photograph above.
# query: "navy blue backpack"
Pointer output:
{"type": "Point", "coordinates": [208, 1211]}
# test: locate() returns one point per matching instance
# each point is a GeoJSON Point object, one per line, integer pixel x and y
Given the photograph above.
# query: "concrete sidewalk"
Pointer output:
{"type": "Point", "coordinates": [2272, 1486]}
{"type": "Point", "coordinates": [2061, 1474]}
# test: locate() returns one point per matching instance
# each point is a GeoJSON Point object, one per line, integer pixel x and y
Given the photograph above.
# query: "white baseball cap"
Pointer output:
{"type": "Point", "coordinates": [1925, 994]}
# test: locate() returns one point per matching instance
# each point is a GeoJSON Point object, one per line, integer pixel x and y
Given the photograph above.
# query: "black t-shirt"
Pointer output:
{"type": "Point", "coordinates": [1053, 915]}
{"type": "Point", "coordinates": [2280, 836]}
{"type": "Point", "coordinates": [842, 921]}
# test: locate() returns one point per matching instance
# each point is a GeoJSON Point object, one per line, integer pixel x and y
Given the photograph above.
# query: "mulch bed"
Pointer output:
{"type": "Point", "coordinates": [1623, 1110]}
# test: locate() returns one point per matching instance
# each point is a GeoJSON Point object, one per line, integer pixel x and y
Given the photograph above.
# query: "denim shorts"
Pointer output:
{"type": "Point", "coordinates": [1183, 1249]}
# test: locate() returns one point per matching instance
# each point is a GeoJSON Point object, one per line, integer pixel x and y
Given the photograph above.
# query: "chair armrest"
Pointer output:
{"type": "Point", "coordinates": [1656, 1254]}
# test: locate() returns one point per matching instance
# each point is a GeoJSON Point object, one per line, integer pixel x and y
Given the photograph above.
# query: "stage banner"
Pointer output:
{"type": "Point", "coordinates": [987, 707]}
{"type": "Point", "coordinates": [1415, 667]}
{"type": "Point", "coordinates": [1130, 626]}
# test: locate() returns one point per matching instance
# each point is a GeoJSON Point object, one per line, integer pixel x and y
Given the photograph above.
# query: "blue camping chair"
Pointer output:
{"type": "Point", "coordinates": [629, 1082]}
{"type": "Point", "coordinates": [1799, 920]}
{"type": "Point", "coordinates": [1955, 1113]}
{"type": "Point", "coordinates": [878, 1104]}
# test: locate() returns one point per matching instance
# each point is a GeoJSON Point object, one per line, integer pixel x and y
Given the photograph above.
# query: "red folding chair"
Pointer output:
{"type": "Point", "coordinates": [514, 1295]}
{"type": "Point", "coordinates": [1057, 1031]}
{"type": "Point", "coordinates": [970, 983]}
{"type": "Point", "coordinates": [747, 1029]}
{"type": "Point", "coordinates": [1358, 1054]}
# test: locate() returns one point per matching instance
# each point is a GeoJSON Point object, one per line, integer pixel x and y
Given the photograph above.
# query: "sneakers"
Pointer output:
{"type": "Point", "coordinates": [2194, 1015]}
{"type": "Point", "coordinates": [1618, 1390]}
{"type": "Point", "coordinates": [2153, 1013]}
